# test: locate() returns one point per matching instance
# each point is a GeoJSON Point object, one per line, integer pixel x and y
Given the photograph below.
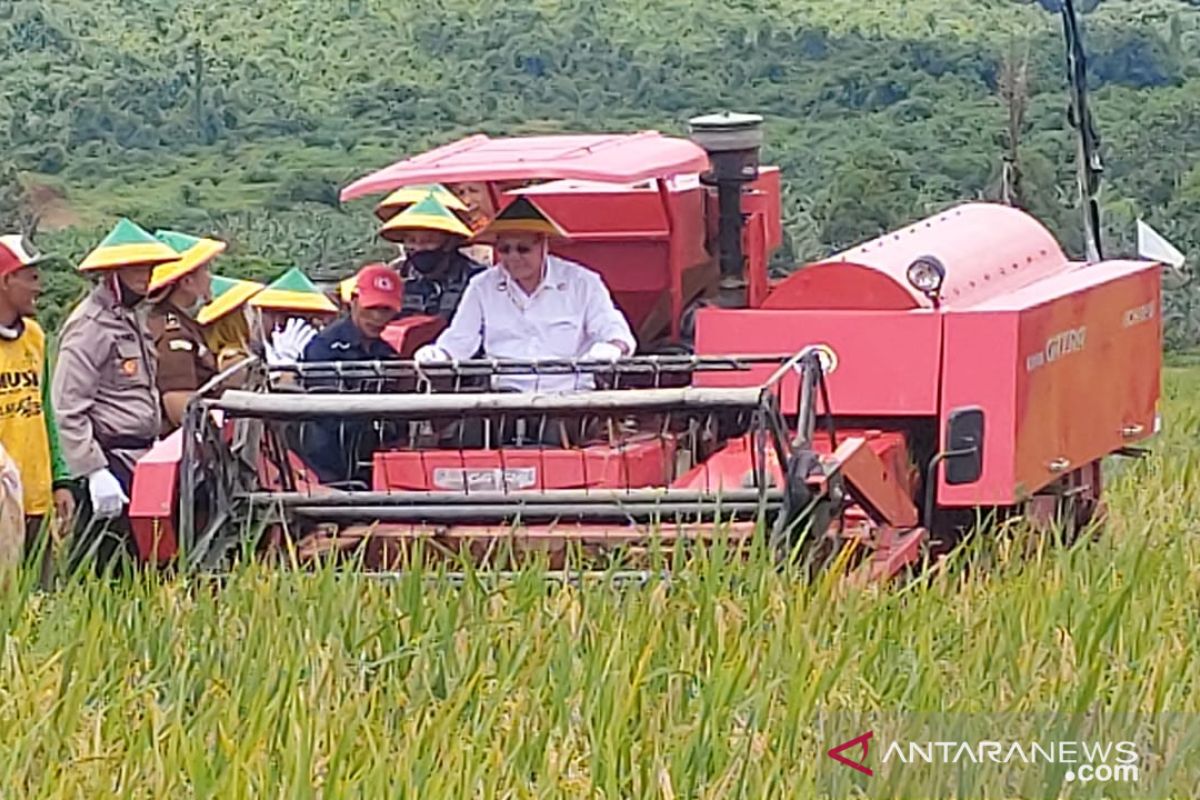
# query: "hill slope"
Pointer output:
{"type": "Point", "coordinates": [243, 119]}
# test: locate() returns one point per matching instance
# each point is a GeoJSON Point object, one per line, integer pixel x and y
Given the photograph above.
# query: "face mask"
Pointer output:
{"type": "Point", "coordinates": [427, 262]}
{"type": "Point", "coordinates": [128, 297]}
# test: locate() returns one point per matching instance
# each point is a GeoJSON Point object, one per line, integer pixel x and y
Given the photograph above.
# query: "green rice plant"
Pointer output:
{"type": "Point", "coordinates": [719, 680]}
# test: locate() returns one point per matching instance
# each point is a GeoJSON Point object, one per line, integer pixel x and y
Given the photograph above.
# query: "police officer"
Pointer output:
{"type": "Point", "coordinates": [435, 271]}
{"type": "Point", "coordinates": [104, 391]}
{"type": "Point", "coordinates": [334, 447]}
{"type": "Point", "coordinates": [181, 289]}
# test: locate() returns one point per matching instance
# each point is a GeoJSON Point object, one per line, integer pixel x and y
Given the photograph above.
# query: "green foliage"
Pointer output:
{"type": "Point", "coordinates": [246, 117]}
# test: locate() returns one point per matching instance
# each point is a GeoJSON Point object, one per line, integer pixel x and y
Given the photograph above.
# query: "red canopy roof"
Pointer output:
{"type": "Point", "coordinates": [611, 158]}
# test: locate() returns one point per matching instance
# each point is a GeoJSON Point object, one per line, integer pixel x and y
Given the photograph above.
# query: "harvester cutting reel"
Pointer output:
{"type": "Point", "coordinates": [668, 450]}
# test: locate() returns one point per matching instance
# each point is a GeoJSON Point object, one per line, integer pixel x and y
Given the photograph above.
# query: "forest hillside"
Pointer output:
{"type": "Point", "coordinates": [243, 119]}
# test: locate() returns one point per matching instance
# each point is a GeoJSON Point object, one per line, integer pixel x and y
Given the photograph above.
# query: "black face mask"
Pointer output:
{"type": "Point", "coordinates": [428, 262]}
{"type": "Point", "coordinates": [128, 297]}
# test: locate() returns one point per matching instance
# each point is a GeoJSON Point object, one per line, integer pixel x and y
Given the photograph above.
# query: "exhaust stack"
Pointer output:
{"type": "Point", "coordinates": [733, 142]}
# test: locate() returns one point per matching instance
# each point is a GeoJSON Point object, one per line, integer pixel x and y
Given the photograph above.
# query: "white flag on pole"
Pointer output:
{"type": "Point", "coordinates": [1153, 246]}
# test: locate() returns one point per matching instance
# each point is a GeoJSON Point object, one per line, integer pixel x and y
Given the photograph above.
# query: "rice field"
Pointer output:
{"type": "Point", "coordinates": [721, 683]}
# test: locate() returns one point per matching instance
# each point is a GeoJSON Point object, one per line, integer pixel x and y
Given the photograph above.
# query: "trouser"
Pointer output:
{"type": "Point", "coordinates": [33, 534]}
{"type": "Point", "coordinates": [107, 541]}
{"type": "Point", "coordinates": [40, 544]}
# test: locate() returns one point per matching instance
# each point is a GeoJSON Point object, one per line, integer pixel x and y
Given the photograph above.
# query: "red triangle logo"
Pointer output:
{"type": "Point", "coordinates": [863, 741]}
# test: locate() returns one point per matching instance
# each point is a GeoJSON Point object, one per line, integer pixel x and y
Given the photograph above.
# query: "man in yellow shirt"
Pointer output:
{"type": "Point", "coordinates": [27, 427]}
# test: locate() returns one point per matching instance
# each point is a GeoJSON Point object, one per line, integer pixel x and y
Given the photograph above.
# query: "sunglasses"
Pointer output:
{"type": "Point", "coordinates": [505, 249]}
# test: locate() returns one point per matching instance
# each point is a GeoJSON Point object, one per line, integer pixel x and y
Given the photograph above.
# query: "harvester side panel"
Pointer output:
{"type": "Point", "coordinates": [978, 357]}
{"type": "Point", "coordinates": [1074, 366]}
{"type": "Point", "coordinates": [884, 363]}
{"type": "Point", "coordinates": [153, 497]}
{"type": "Point", "coordinates": [595, 210]}
{"type": "Point", "coordinates": [765, 197]}
{"type": "Point", "coordinates": [639, 464]}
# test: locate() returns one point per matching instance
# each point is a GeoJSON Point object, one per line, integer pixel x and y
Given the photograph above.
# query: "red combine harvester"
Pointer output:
{"type": "Point", "coordinates": [884, 396]}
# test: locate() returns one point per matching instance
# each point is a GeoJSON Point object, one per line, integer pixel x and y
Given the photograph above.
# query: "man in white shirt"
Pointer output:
{"type": "Point", "coordinates": [533, 306]}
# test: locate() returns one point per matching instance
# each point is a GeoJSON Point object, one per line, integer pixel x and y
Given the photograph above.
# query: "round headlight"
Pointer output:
{"type": "Point", "coordinates": [926, 275]}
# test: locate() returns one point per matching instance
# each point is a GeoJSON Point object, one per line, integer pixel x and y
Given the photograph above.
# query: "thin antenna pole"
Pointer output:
{"type": "Point", "coordinates": [1080, 117]}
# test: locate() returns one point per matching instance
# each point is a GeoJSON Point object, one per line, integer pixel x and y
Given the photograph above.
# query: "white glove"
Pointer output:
{"type": "Point", "coordinates": [108, 498]}
{"type": "Point", "coordinates": [604, 351]}
{"type": "Point", "coordinates": [431, 354]}
{"type": "Point", "coordinates": [287, 345]}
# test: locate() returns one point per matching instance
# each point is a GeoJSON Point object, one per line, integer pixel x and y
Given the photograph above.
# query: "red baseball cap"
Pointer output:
{"type": "Point", "coordinates": [378, 286]}
{"type": "Point", "coordinates": [16, 253]}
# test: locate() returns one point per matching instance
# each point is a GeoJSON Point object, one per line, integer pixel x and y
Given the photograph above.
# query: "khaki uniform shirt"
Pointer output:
{"type": "Point", "coordinates": [184, 361]}
{"type": "Point", "coordinates": [104, 393]}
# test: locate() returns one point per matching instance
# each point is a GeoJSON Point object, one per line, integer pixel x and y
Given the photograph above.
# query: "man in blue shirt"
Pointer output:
{"type": "Point", "coordinates": [334, 448]}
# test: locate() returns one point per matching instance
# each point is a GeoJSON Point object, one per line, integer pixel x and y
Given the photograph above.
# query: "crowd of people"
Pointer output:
{"type": "Point", "coordinates": [157, 325]}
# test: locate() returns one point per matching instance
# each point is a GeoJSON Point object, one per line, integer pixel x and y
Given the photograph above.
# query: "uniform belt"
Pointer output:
{"type": "Point", "coordinates": [124, 443]}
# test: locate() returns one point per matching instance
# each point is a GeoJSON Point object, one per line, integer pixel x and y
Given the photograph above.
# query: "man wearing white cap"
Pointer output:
{"type": "Point", "coordinates": [27, 429]}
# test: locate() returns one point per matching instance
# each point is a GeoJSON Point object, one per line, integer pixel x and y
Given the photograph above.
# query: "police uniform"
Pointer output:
{"type": "Point", "coordinates": [104, 391]}
{"type": "Point", "coordinates": [185, 362]}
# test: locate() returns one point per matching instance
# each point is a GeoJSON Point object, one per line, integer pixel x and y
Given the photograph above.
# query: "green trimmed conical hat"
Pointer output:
{"type": "Point", "coordinates": [193, 253]}
{"type": "Point", "coordinates": [127, 245]}
{"type": "Point", "coordinates": [430, 214]}
{"type": "Point", "coordinates": [177, 241]}
{"type": "Point", "coordinates": [221, 285]}
{"type": "Point", "coordinates": [293, 291]}
{"type": "Point", "coordinates": [227, 295]}
{"type": "Point", "coordinates": [408, 195]}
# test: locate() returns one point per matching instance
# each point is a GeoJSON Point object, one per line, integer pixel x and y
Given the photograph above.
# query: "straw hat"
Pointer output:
{"type": "Point", "coordinates": [228, 295]}
{"type": "Point", "coordinates": [193, 253]}
{"type": "Point", "coordinates": [521, 216]}
{"type": "Point", "coordinates": [409, 195]}
{"type": "Point", "coordinates": [346, 289]}
{"type": "Point", "coordinates": [293, 291]}
{"type": "Point", "coordinates": [127, 245]}
{"type": "Point", "coordinates": [429, 214]}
